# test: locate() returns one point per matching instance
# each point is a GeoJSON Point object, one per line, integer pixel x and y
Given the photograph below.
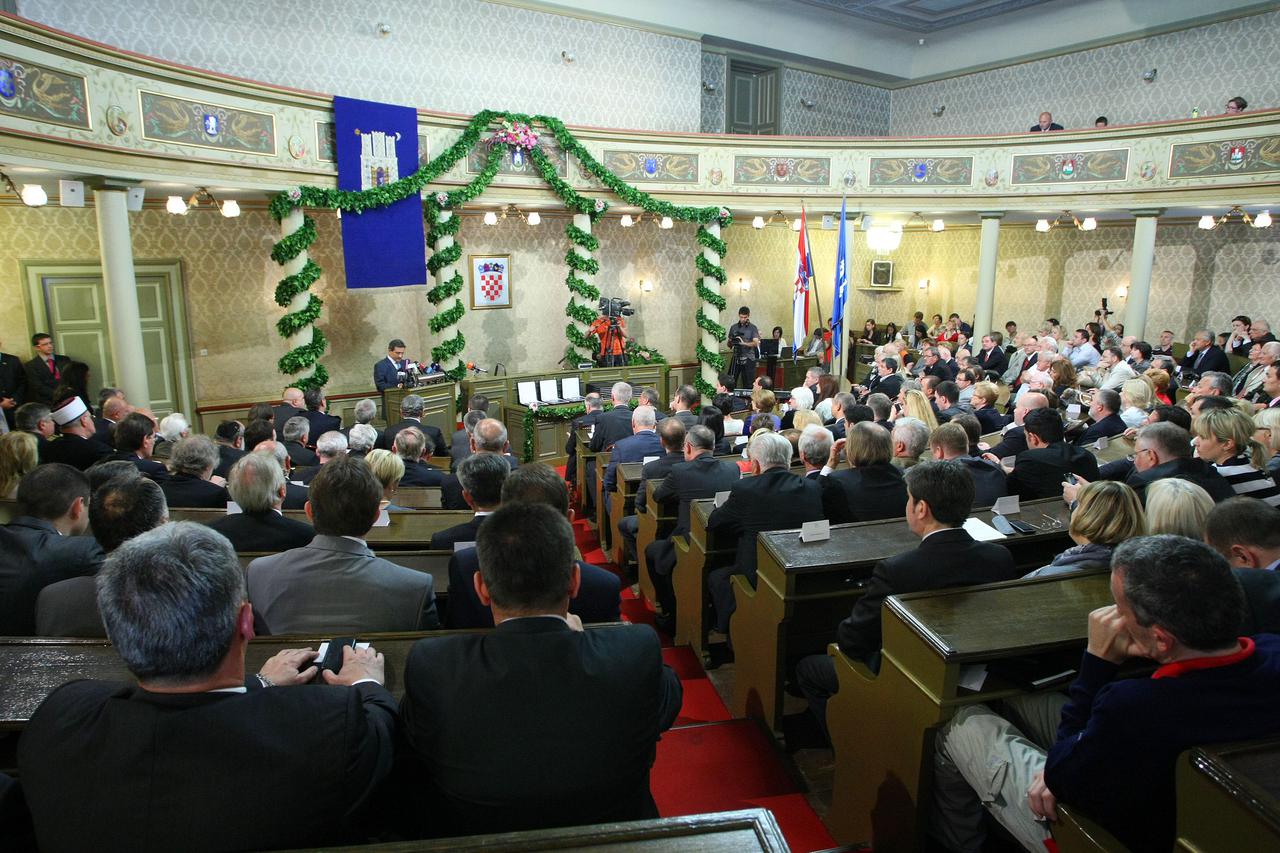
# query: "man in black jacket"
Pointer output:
{"type": "Point", "coordinates": [771, 499]}
{"type": "Point", "coordinates": [411, 408]}
{"type": "Point", "coordinates": [1040, 471]}
{"type": "Point", "coordinates": [946, 398]}
{"type": "Point", "coordinates": [317, 414]}
{"type": "Point", "coordinates": [991, 357]}
{"type": "Point", "coordinates": [76, 446]}
{"type": "Point", "coordinates": [671, 434]}
{"type": "Point", "coordinates": [135, 439]}
{"type": "Point", "coordinates": [44, 371]}
{"type": "Point", "coordinates": [591, 704]}
{"type": "Point", "coordinates": [481, 476]}
{"type": "Point", "coordinates": [190, 485]}
{"type": "Point", "coordinates": [1163, 449]}
{"type": "Point", "coordinates": [594, 411]}
{"type": "Point", "coordinates": [615, 424]}
{"type": "Point", "coordinates": [230, 440]}
{"type": "Point", "coordinates": [292, 405]}
{"type": "Point", "coordinates": [488, 436]}
{"type": "Point", "coordinates": [329, 446]}
{"type": "Point", "coordinates": [951, 442]}
{"type": "Point", "coordinates": [939, 499]}
{"type": "Point", "coordinates": [13, 386]}
{"type": "Point", "coordinates": [1105, 413]}
{"type": "Point", "coordinates": [1204, 355]}
{"type": "Point", "coordinates": [410, 445]}
{"type": "Point", "coordinates": [173, 600]}
{"type": "Point", "coordinates": [871, 487]}
{"type": "Point", "coordinates": [1014, 439]}
{"type": "Point", "coordinates": [257, 485]}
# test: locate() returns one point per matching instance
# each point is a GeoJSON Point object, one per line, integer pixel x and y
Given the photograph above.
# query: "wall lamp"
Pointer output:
{"type": "Point", "coordinates": [32, 195]}
{"type": "Point", "coordinates": [1208, 222]}
{"type": "Point", "coordinates": [1044, 226]}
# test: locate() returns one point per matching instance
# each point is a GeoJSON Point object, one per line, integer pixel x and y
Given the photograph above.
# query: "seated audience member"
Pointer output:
{"type": "Point", "coordinates": [361, 438]}
{"type": "Point", "coordinates": [53, 513]}
{"type": "Point", "coordinates": [292, 405]}
{"type": "Point", "coordinates": [364, 413]}
{"type": "Point", "coordinates": [1160, 382]}
{"type": "Point", "coordinates": [191, 466]}
{"type": "Point", "coordinates": [701, 475]}
{"type": "Point", "coordinates": [671, 433]}
{"type": "Point", "coordinates": [172, 429]}
{"type": "Point", "coordinates": [771, 499]}
{"type": "Point", "coordinates": [946, 396]}
{"type": "Point", "coordinates": [173, 601]}
{"type": "Point", "coordinates": [1081, 351]}
{"type": "Point", "coordinates": [1246, 533]}
{"type": "Point", "coordinates": [593, 408]}
{"type": "Point", "coordinates": [1162, 450]}
{"type": "Point", "coordinates": [594, 701]}
{"type": "Point", "coordinates": [76, 446]}
{"type": "Point", "coordinates": [261, 412]}
{"type": "Point", "coordinates": [297, 434]}
{"type": "Point", "coordinates": [481, 475]}
{"type": "Point", "coordinates": [1225, 439]}
{"type": "Point", "coordinates": [916, 405]}
{"type": "Point", "coordinates": [19, 455]}
{"type": "Point", "coordinates": [257, 485]}
{"type": "Point", "coordinates": [1203, 356]}
{"type": "Point", "coordinates": [965, 380]}
{"type": "Point", "coordinates": [319, 422]}
{"type": "Point", "coordinates": [1266, 431]}
{"type": "Point", "coordinates": [1106, 513]}
{"type": "Point", "coordinates": [336, 585]}
{"type": "Point", "coordinates": [329, 446]}
{"type": "Point", "coordinates": [1178, 507]}
{"type": "Point", "coordinates": [763, 402]}
{"type": "Point", "coordinates": [257, 431]}
{"type": "Point", "coordinates": [1039, 471]}
{"type": "Point", "coordinates": [939, 499]}
{"type": "Point", "coordinates": [1165, 347]}
{"type": "Point", "coordinates": [972, 430]}
{"type": "Point", "coordinates": [884, 379]}
{"type": "Point", "coordinates": [950, 442]}
{"type": "Point", "coordinates": [1260, 332]}
{"type": "Point", "coordinates": [1113, 370]}
{"type": "Point", "coordinates": [36, 420]}
{"type": "Point", "coordinates": [801, 401]}
{"type": "Point", "coordinates": [1212, 383]}
{"type": "Point", "coordinates": [135, 442]}
{"type": "Point", "coordinates": [814, 449]}
{"type": "Point", "coordinates": [598, 597]}
{"type": "Point", "coordinates": [120, 509]}
{"type": "Point", "coordinates": [806, 418]}
{"type": "Point", "coordinates": [411, 446]}
{"type": "Point", "coordinates": [295, 496]}
{"type": "Point", "coordinates": [910, 439]}
{"type": "Point", "coordinates": [1021, 360]}
{"type": "Point", "coordinates": [461, 446]}
{"type": "Point", "coordinates": [642, 442]}
{"type": "Point", "coordinates": [1177, 603]}
{"type": "Point", "coordinates": [230, 440]}
{"type": "Point", "coordinates": [489, 436]}
{"type": "Point", "coordinates": [983, 401]}
{"type": "Point", "coordinates": [107, 470]}
{"type": "Point", "coordinates": [388, 468]}
{"type": "Point", "coordinates": [1136, 398]}
{"type": "Point", "coordinates": [614, 424]}
{"type": "Point", "coordinates": [871, 487]}
{"type": "Point", "coordinates": [113, 409]}
{"type": "Point", "coordinates": [991, 357]}
{"type": "Point", "coordinates": [1104, 411]}
{"type": "Point", "coordinates": [881, 407]}
{"type": "Point", "coordinates": [1270, 397]}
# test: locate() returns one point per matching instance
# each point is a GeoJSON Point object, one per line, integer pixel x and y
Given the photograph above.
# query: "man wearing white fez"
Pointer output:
{"type": "Point", "coordinates": [76, 446]}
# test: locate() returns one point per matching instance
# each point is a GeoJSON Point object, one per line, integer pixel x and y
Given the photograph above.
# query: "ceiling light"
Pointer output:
{"type": "Point", "coordinates": [176, 205]}
{"type": "Point", "coordinates": [230, 208]}
{"type": "Point", "coordinates": [923, 284]}
{"type": "Point", "coordinates": [567, 57]}
{"type": "Point", "coordinates": [1207, 222]}
{"type": "Point", "coordinates": [1149, 76]}
{"type": "Point", "coordinates": [1089, 224]}
{"type": "Point", "coordinates": [534, 218]}
{"type": "Point", "coordinates": [1262, 220]}
{"type": "Point", "coordinates": [757, 223]}
{"type": "Point", "coordinates": [939, 110]}
{"type": "Point", "coordinates": [33, 195]}
{"type": "Point", "coordinates": [938, 225]}
{"type": "Point", "coordinates": [490, 218]}
{"type": "Point", "coordinates": [666, 222]}
{"type": "Point", "coordinates": [626, 221]}
{"type": "Point", "coordinates": [1043, 226]}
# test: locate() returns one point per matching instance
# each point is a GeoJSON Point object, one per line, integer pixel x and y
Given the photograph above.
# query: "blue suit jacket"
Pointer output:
{"type": "Point", "coordinates": [384, 374]}
{"type": "Point", "coordinates": [632, 449]}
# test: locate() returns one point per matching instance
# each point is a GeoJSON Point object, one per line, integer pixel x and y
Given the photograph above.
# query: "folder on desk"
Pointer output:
{"type": "Point", "coordinates": [570, 389]}
{"type": "Point", "coordinates": [547, 391]}
{"type": "Point", "coordinates": [527, 393]}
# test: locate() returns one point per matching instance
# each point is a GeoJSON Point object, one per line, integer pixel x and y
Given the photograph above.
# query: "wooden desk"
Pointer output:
{"type": "Point", "coordinates": [586, 457]}
{"type": "Point", "coordinates": [803, 591]}
{"type": "Point", "coordinates": [882, 726]}
{"type": "Point", "coordinates": [602, 526]}
{"type": "Point", "coordinates": [1229, 798]}
{"type": "Point", "coordinates": [719, 832]}
{"type": "Point", "coordinates": [696, 555]}
{"type": "Point", "coordinates": [623, 503]}
{"type": "Point", "coordinates": [420, 497]}
{"type": "Point", "coordinates": [408, 531]}
{"type": "Point", "coordinates": [656, 522]}
{"type": "Point", "coordinates": [439, 406]}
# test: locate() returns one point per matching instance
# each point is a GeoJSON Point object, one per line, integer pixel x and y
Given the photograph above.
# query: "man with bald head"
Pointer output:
{"type": "Point", "coordinates": [1045, 123]}
{"type": "Point", "coordinates": [671, 433]}
{"type": "Point", "coordinates": [292, 405]}
{"type": "Point", "coordinates": [114, 409]}
{"type": "Point", "coordinates": [488, 436]}
{"type": "Point", "coordinates": [1014, 440]}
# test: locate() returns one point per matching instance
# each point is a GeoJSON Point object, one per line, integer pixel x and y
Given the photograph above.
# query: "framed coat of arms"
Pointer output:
{"type": "Point", "coordinates": [490, 281]}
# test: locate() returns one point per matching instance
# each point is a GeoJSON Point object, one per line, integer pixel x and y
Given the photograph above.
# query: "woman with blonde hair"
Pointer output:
{"type": "Point", "coordinates": [1160, 381]}
{"type": "Point", "coordinates": [1266, 431]}
{"type": "Point", "coordinates": [763, 403]}
{"type": "Point", "coordinates": [1224, 437]}
{"type": "Point", "coordinates": [916, 405]}
{"type": "Point", "coordinates": [1106, 514]}
{"type": "Point", "coordinates": [804, 418]}
{"type": "Point", "coordinates": [1178, 507]}
{"type": "Point", "coordinates": [18, 457]}
{"type": "Point", "coordinates": [388, 467]}
{"type": "Point", "coordinates": [1135, 402]}
{"type": "Point", "coordinates": [983, 401]}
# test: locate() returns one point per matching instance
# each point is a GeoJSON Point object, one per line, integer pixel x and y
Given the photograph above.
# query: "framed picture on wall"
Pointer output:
{"type": "Point", "coordinates": [490, 281]}
{"type": "Point", "coordinates": [882, 273]}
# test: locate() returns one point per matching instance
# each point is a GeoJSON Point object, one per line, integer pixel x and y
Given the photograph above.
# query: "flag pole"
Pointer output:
{"type": "Point", "coordinates": [813, 285]}
{"type": "Point", "coordinates": [842, 251]}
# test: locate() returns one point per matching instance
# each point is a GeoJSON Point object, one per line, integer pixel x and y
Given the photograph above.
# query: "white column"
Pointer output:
{"type": "Point", "coordinates": [291, 223]}
{"type": "Point", "coordinates": [121, 286]}
{"type": "Point", "coordinates": [709, 374]}
{"type": "Point", "coordinates": [583, 221]}
{"type": "Point", "coordinates": [987, 256]}
{"type": "Point", "coordinates": [1144, 254]}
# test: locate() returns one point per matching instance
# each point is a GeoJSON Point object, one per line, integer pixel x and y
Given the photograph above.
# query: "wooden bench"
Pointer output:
{"type": "Point", "coordinates": [696, 555]}
{"type": "Point", "coordinates": [621, 504]}
{"type": "Point", "coordinates": [654, 523]}
{"type": "Point", "coordinates": [601, 464]}
{"type": "Point", "coordinates": [408, 531]}
{"type": "Point", "coordinates": [882, 725]}
{"type": "Point", "coordinates": [586, 458]}
{"type": "Point", "coordinates": [434, 563]}
{"type": "Point", "coordinates": [420, 497]}
{"type": "Point", "coordinates": [1229, 798]}
{"type": "Point", "coordinates": [803, 591]}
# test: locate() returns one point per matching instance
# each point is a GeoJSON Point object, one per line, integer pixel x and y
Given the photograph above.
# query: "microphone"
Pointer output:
{"type": "Point", "coordinates": [471, 365]}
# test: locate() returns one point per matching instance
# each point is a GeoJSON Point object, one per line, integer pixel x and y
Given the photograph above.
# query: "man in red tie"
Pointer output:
{"type": "Point", "coordinates": [45, 370]}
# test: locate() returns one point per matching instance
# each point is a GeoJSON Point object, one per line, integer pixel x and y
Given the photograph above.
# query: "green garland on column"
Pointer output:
{"type": "Point", "coordinates": [301, 357]}
{"type": "Point", "coordinates": [714, 360]}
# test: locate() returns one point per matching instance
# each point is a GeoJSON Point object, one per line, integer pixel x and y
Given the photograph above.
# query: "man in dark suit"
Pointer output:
{"type": "Point", "coordinates": [701, 475]}
{"type": "Point", "coordinates": [135, 440]}
{"type": "Point", "coordinates": [771, 499]}
{"type": "Point", "coordinates": [230, 440]}
{"type": "Point", "coordinates": [1204, 355]}
{"type": "Point", "coordinates": [933, 365]}
{"type": "Point", "coordinates": [364, 412]}
{"type": "Point", "coordinates": [114, 409]}
{"type": "Point", "coordinates": [946, 397]}
{"type": "Point", "coordinates": [1046, 123]}
{"type": "Point", "coordinates": [1105, 413]}
{"type": "Point", "coordinates": [297, 435]}
{"type": "Point", "coordinates": [1014, 439]}
{"type": "Point", "coordinates": [329, 446]}
{"type": "Point", "coordinates": [598, 598]}
{"type": "Point", "coordinates": [871, 487]}
{"type": "Point", "coordinates": [385, 370]}
{"type": "Point", "coordinates": [671, 434]}
{"type": "Point", "coordinates": [44, 371]}
{"type": "Point", "coordinates": [257, 485]}
{"type": "Point", "coordinates": [53, 507]}
{"type": "Point", "coordinates": [1040, 470]}
{"type": "Point", "coordinates": [173, 600]}
{"type": "Point", "coordinates": [616, 423]}
{"type": "Point", "coordinates": [13, 386]}
{"type": "Point", "coordinates": [939, 499]}
{"type": "Point", "coordinates": [686, 397]}
{"type": "Point", "coordinates": [292, 405]}
{"type": "Point", "coordinates": [595, 701]}
{"type": "Point", "coordinates": [642, 443]}
{"type": "Point", "coordinates": [336, 584]}
{"type": "Point", "coordinates": [1246, 531]}
{"type": "Point", "coordinates": [317, 415]}
{"type": "Point", "coordinates": [488, 436]}
{"type": "Point", "coordinates": [481, 476]}
{"type": "Point", "coordinates": [76, 445]}
{"type": "Point", "coordinates": [884, 380]}
{"type": "Point", "coordinates": [411, 408]}
{"type": "Point", "coordinates": [121, 508]}
{"type": "Point", "coordinates": [460, 446]}
{"type": "Point", "coordinates": [295, 496]}
{"type": "Point", "coordinates": [951, 442]}
{"type": "Point", "coordinates": [991, 356]}
{"type": "Point", "coordinates": [594, 411]}
{"type": "Point", "coordinates": [189, 485]}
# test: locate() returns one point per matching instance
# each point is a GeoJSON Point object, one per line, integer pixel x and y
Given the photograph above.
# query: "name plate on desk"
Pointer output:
{"type": "Point", "coordinates": [1102, 442]}
{"type": "Point", "coordinates": [1073, 412]}
{"type": "Point", "coordinates": [1007, 505]}
{"type": "Point", "coordinates": [721, 497]}
{"type": "Point", "coordinates": [648, 459]}
{"type": "Point", "coordinates": [815, 531]}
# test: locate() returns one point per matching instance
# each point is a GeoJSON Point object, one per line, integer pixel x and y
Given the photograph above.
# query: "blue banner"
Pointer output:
{"type": "Point", "coordinates": [842, 285]}
{"type": "Point", "coordinates": [378, 144]}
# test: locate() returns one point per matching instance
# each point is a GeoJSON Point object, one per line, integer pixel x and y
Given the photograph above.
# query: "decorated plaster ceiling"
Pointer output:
{"type": "Point", "coordinates": [925, 16]}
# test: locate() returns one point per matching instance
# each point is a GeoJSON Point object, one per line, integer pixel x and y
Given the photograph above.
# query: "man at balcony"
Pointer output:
{"type": "Point", "coordinates": [1046, 123]}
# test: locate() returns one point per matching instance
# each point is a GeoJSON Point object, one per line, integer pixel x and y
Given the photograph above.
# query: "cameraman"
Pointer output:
{"type": "Point", "coordinates": [612, 331]}
{"type": "Point", "coordinates": [744, 337]}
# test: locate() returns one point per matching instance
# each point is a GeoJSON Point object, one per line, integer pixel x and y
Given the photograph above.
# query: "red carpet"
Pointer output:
{"type": "Point", "coordinates": [702, 704]}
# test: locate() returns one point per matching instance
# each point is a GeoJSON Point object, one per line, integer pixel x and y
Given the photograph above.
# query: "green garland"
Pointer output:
{"type": "Point", "coordinates": [300, 358]}
{"type": "Point", "coordinates": [290, 324]}
{"type": "Point", "coordinates": [563, 412]}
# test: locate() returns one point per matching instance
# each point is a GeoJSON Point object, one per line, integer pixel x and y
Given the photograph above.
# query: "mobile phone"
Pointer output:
{"type": "Point", "coordinates": [333, 655]}
{"type": "Point", "coordinates": [999, 522]}
{"type": "Point", "coordinates": [1021, 526]}
{"type": "Point", "coordinates": [1071, 478]}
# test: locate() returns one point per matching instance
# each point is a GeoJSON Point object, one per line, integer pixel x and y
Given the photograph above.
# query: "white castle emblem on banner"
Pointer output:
{"type": "Point", "coordinates": [378, 164]}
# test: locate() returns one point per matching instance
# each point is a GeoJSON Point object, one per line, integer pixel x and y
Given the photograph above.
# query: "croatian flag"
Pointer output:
{"type": "Point", "coordinates": [800, 298]}
{"type": "Point", "coordinates": [842, 286]}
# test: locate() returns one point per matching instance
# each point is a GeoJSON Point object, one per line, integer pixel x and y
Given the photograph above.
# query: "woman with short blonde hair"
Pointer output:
{"type": "Point", "coordinates": [1106, 513]}
{"type": "Point", "coordinates": [18, 457]}
{"type": "Point", "coordinates": [1225, 438]}
{"type": "Point", "coordinates": [1135, 402]}
{"type": "Point", "coordinates": [804, 418]}
{"type": "Point", "coordinates": [1160, 381]}
{"type": "Point", "coordinates": [1178, 507]}
{"type": "Point", "coordinates": [763, 403]}
{"type": "Point", "coordinates": [388, 468]}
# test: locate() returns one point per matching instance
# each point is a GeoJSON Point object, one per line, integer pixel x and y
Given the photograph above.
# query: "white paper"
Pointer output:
{"type": "Point", "coordinates": [462, 546]}
{"type": "Point", "coordinates": [324, 649]}
{"type": "Point", "coordinates": [297, 482]}
{"type": "Point", "coordinates": [973, 676]}
{"type": "Point", "coordinates": [1073, 411]}
{"type": "Point", "coordinates": [721, 497]}
{"type": "Point", "coordinates": [648, 459]}
{"type": "Point", "coordinates": [981, 531]}
{"type": "Point", "coordinates": [526, 392]}
{"type": "Point", "coordinates": [571, 388]}
{"type": "Point", "coordinates": [1008, 461]}
{"type": "Point", "coordinates": [1007, 505]}
{"type": "Point", "coordinates": [815, 531]}
{"type": "Point", "coordinates": [547, 391]}
{"type": "Point", "coordinates": [233, 508]}
{"type": "Point", "coordinates": [1102, 442]}
{"type": "Point", "coordinates": [384, 519]}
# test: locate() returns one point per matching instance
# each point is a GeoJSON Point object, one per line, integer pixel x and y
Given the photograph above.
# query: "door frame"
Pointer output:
{"type": "Point", "coordinates": [31, 274]}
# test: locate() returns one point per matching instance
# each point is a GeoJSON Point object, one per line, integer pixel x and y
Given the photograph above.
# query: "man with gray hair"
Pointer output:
{"type": "Point", "coordinates": [296, 431]}
{"type": "Point", "coordinates": [487, 436]}
{"type": "Point", "coordinates": [461, 447]}
{"type": "Point", "coordinates": [772, 498]}
{"type": "Point", "coordinates": [841, 404]}
{"type": "Point", "coordinates": [593, 411]}
{"type": "Point", "coordinates": [295, 495]}
{"type": "Point", "coordinates": [360, 440]}
{"type": "Point", "coordinates": [329, 447]}
{"type": "Point", "coordinates": [686, 397]}
{"type": "Point", "coordinates": [881, 406]}
{"type": "Point", "coordinates": [910, 438]}
{"type": "Point", "coordinates": [815, 448]}
{"type": "Point", "coordinates": [191, 482]}
{"type": "Point", "coordinates": [411, 446]}
{"type": "Point", "coordinates": [643, 442]}
{"type": "Point", "coordinates": [173, 600]}
{"type": "Point", "coordinates": [671, 433]}
{"type": "Point", "coordinates": [364, 413]}
{"type": "Point", "coordinates": [1204, 355]}
{"type": "Point", "coordinates": [616, 423]}
{"type": "Point", "coordinates": [257, 485]}
{"type": "Point", "coordinates": [229, 436]}
{"type": "Point", "coordinates": [172, 429]}
{"type": "Point", "coordinates": [411, 408]}
{"type": "Point", "coordinates": [480, 478]}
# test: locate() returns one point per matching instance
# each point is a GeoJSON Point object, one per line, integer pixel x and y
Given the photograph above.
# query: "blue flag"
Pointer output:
{"type": "Point", "coordinates": [842, 287]}
{"type": "Point", "coordinates": [378, 144]}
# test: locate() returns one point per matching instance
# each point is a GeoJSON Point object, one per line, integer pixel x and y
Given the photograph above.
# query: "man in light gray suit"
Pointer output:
{"type": "Point", "coordinates": [335, 585]}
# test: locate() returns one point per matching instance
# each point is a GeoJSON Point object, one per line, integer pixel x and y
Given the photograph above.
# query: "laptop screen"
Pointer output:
{"type": "Point", "coordinates": [571, 387]}
{"type": "Point", "coordinates": [547, 390]}
{"type": "Point", "coordinates": [527, 392]}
